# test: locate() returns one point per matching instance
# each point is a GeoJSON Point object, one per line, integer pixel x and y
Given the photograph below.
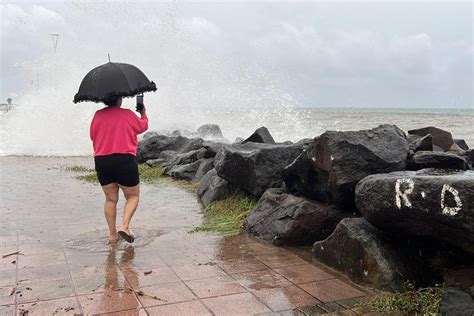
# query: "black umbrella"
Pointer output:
{"type": "Point", "coordinates": [112, 80]}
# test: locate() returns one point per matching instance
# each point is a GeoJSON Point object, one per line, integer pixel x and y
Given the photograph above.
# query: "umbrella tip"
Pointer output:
{"type": "Point", "coordinates": [109, 56]}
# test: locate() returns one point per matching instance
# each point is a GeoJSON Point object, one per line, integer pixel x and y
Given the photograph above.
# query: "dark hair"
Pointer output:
{"type": "Point", "coordinates": [110, 101]}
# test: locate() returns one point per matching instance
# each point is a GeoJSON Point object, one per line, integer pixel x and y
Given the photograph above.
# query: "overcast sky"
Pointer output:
{"type": "Point", "coordinates": [374, 53]}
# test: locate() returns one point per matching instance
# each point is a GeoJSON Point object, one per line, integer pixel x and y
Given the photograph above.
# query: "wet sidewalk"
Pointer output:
{"type": "Point", "coordinates": [65, 267]}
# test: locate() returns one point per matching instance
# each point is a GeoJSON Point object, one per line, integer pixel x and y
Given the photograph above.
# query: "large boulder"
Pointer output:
{"type": "Point", "coordinates": [213, 188]}
{"type": "Point", "coordinates": [442, 140]}
{"type": "Point", "coordinates": [151, 147]}
{"type": "Point", "coordinates": [440, 160]}
{"type": "Point", "coordinates": [365, 254]}
{"type": "Point", "coordinates": [285, 219]}
{"type": "Point", "coordinates": [434, 204]}
{"type": "Point", "coordinates": [334, 162]}
{"type": "Point", "coordinates": [261, 135]}
{"type": "Point", "coordinates": [210, 131]}
{"type": "Point", "coordinates": [255, 167]}
{"type": "Point", "coordinates": [458, 302]}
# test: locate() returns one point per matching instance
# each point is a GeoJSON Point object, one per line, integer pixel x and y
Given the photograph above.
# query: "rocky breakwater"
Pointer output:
{"type": "Point", "coordinates": [350, 194]}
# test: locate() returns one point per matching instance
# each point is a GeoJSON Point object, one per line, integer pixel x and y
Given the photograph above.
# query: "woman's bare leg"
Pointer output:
{"type": "Point", "coordinates": [132, 195]}
{"type": "Point", "coordinates": [110, 208]}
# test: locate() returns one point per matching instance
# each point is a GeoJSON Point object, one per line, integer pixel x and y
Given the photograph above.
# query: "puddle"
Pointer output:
{"type": "Point", "coordinates": [96, 241]}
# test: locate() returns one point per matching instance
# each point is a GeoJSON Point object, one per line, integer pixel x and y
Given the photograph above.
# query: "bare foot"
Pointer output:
{"type": "Point", "coordinates": [113, 239]}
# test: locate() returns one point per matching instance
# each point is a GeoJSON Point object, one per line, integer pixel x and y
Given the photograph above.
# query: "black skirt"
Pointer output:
{"type": "Point", "coordinates": [120, 168]}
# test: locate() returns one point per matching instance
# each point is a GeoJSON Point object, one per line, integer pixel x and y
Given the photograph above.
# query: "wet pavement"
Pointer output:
{"type": "Point", "coordinates": [65, 266]}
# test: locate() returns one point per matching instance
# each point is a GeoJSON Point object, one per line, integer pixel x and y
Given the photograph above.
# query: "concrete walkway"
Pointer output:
{"type": "Point", "coordinates": [65, 267]}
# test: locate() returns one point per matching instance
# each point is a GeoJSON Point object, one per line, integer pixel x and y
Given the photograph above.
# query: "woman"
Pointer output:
{"type": "Point", "coordinates": [113, 132]}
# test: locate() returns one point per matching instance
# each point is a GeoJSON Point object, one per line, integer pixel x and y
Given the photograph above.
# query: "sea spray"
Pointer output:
{"type": "Point", "coordinates": [199, 79]}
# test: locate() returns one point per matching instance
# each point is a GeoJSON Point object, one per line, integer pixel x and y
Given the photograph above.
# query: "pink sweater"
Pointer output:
{"type": "Point", "coordinates": [114, 131]}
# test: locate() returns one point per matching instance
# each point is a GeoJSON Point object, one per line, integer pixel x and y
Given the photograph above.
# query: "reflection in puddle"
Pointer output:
{"type": "Point", "coordinates": [96, 241]}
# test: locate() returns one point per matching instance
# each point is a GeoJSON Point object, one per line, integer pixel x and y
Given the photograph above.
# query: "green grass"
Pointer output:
{"type": "Point", "coordinates": [76, 168]}
{"type": "Point", "coordinates": [426, 301]}
{"type": "Point", "coordinates": [147, 175]}
{"type": "Point", "coordinates": [226, 216]}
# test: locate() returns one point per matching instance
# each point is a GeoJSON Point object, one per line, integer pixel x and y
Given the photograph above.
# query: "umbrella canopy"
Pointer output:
{"type": "Point", "coordinates": [112, 80]}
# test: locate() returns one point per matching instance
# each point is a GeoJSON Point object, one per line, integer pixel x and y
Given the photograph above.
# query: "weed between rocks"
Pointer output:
{"type": "Point", "coordinates": [227, 216]}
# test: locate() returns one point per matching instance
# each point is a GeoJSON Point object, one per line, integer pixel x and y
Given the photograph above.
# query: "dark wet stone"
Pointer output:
{"type": "Point", "coordinates": [213, 147]}
{"type": "Point", "coordinates": [436, 204]}
{"type": "Point", "coordinates": [210, 131]}
{"type": "Point", "coordinates": [461, 143]}
{"type": "Point", "coordinates": [458, 302]}
{"type": "Point", "coordinates": [213, 188]}
{"type": "Point", "coordinates": [441, 139]}
{"type": "Point", "coordinates": [205, 166]}
{"type": "Point", "coordinates": [334, 162]}
{"type": "Point", "coordinates": [261, 135]}
{"type": "Point", "coordinates": [285, 219]}
{"type": "Point", "coordinates": [255, 167]}
{"type": "Point", "coordinates": [301, 178]}
{"type": "Point", "coordinates": [365, 254]}
{"type": "Point", "coordinates": [469, 155]}
{"type": "Point", "coordinates": [151, 147]}
{"type": "Point", "coordinates": [440, 160]}
{"type": "Point", "coordinates": [183, 171]}
{"type": "Point", "coordinates": [156, 163]}
{"type": "Point", "coordinates": [168, 155]}
{"type": "Point", "coordinates": [418, 143]}
{"type": "Point", "coordinates": [188, 157]}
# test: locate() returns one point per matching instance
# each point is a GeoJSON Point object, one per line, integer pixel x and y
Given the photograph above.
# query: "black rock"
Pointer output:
{"type": "Point", "coordinates": [301, 177]}
{"type": "Point", "coordinates": [261, 135]}
{"type": "Point", "coordinates": [440, 160]}
{"type": "Point", "coordinates": [156, 163]}
{"type": "Point", "coordinates": [213, 188]}
{"type": "Point", "coordinates": [418, 143]}
{"type": "Point", "coordinates": [213, 147]}
{"type": "Point", "coordinates": [335, 161]}
{"type": "Point", "coordinates": [441, 139]}
{"type": "Point", "coordinates": [188, 157]}
{"type": "Point", "coordinates": [168, 155]}
{"type": "Point", "coordinates": [461, 143]}
{"type": "Point", "coordinates": [285, 219]}
{"type": "Point", "coordinates": [184, 171]}
{"type": "Point", "coordinates": [435, 204]}
{"type": "Point", "coordinates": [458, 302]}
{"type": "Point", "coordinates": [206, 165]}
{"type": "Point", "coordinates": [469, 155]}
{"type": "Point", "coordinates": [212, 131]}
{"type": "Point", "coordinates": [366, 255]}
{"type": "Point", "coordinates": [151, 147]}
{"type": "Point", "coordinates": [255, 167]}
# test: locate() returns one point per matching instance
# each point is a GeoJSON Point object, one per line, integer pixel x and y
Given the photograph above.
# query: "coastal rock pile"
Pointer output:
{"type": "Point", "coordinates": [364, 199]}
